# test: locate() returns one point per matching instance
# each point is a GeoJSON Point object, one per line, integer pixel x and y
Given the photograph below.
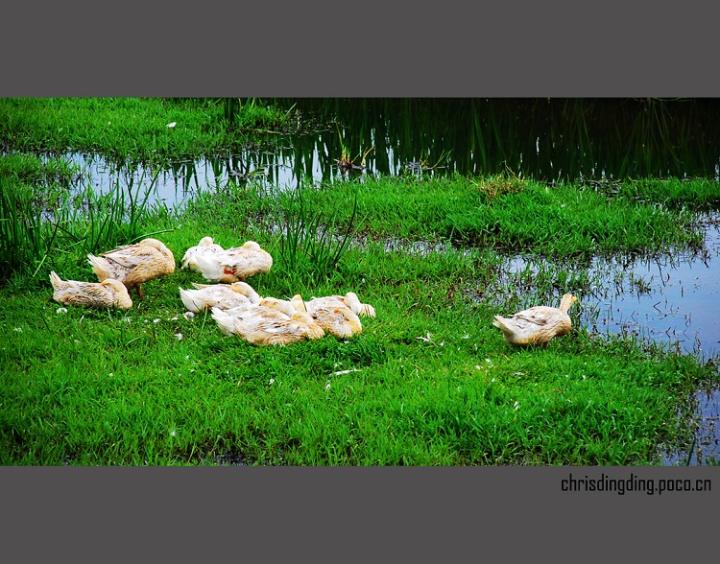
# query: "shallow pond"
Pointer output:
{"type": "Point", "coordinates": [670, 298]}
{"type": "Point", "coordinates": [542, 139]}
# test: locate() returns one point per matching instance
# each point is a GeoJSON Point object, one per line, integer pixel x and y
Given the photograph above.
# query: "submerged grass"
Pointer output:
{"type": "Point", "coordinates": [675, 193]}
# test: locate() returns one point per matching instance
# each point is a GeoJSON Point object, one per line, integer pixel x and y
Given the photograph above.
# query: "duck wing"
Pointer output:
{"type": "Point", "coordinates": [131, 256]}
{"type": "Point", "coordinates": [87, 294]}
{"type": "Point", "coordinates": [539, 316]}
{"type": "Point", "coordinates": [333, 321]}
{"type": "Point", "coordinates": [324, 302]}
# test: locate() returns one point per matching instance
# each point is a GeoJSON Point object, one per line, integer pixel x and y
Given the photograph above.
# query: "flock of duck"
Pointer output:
{"type": "Point", "coordinates": [235, 305]}
{"type": "Point", "coordinates": [238, 309]}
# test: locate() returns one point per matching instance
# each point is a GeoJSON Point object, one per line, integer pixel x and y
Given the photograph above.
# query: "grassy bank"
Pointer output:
{"type": "Point", "coordinates": [133, 128]}
{"type": "Point", "coordinates": [514, 215]}
{"type": "Point", "coordinates": [432, 383]}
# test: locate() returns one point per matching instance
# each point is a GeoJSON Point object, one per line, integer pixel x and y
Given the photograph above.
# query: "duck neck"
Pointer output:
{"type": "Point", "coordinates": [566, 302]}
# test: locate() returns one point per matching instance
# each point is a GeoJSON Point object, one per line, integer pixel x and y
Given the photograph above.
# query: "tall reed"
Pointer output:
{"type": "Point", "coordinates": [312, 243]}
{"type": "Point", "coordinates": [32, 235]}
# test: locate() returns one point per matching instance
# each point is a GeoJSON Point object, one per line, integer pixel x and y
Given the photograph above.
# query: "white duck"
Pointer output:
{"type": "Point", "coordinates": [222, 296]}
{"type": "Point", "coordinates": [537, 325]}
{"type": "Point", "coordinates": [263, 325]}
{"type": "Point", "coordinates": [206, 245]}
{"type": "Point", "coordinates": [232, 265]}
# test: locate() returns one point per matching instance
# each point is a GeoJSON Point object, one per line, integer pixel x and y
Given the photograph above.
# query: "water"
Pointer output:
{"type": "Point", "coordinates": [547, 139]}
{"type": "Point", "coordinates": [177, 184]}
{"type": "Point", "coordinates": [671, 298]}
{"type": "Point", "coordinates": [543, 139]}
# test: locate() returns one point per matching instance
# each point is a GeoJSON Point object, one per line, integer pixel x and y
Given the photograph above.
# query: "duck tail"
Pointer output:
{"type": "Point", "coordinates": [367, 310]}
{"type": "Point", "coordinates": [55, 280]}
{"type": "Point", "coordinates": [100, 267]}
{"type": "Point", "coordinates": [358, 308]}
{"type": "Point", "coordinates": [187, 297]}
{"type": "Point", "coordinates": [225, 322]}
{"type": "Point", "coordinates": [501, 323]}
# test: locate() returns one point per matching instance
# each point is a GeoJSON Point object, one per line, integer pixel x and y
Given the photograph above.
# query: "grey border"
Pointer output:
{"type": "Point", "coordinates": [373, 48]}
{"type": "Point", "coordinates": [346, 515]}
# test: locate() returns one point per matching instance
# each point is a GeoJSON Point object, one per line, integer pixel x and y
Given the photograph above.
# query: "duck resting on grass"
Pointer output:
{"type": "Point", "coordinates": [109, 293]}
{"type": "Point", "coordinates": [222, 296]}
{"type": "Point", "coordinates": [537, 325]}
{"type": "Point", "coordinates": [233, 265]}
{"type": "Point", "coordinates": [263, 325]}
{"type": "Point", "coordinates": [134, 264]}
{"type": "Point", "coordinates": [205, 246]}
{"type": "Point", "coordinates": [283, 306]}
{"type": "Point", "coordinates": [349, 300]}
{"type": "Point", "coordinates": [332, 315]}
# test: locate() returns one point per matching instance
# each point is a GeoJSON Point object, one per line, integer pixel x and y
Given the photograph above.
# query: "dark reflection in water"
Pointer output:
{"type": "Point", "coordinates": [542, 138]}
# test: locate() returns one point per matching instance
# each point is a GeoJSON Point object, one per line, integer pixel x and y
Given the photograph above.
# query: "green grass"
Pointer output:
{"type": "Point", "coordinates": [29, 169]}
{"type": "Point", "coordinates": [432, 383]}
{"type": "Point", "coordinates": [131, 128]}
{"type": "Point", "coordinates": [674, 193]}
{"type": "Point", "coordinates": [525, 216]}
{"type": "Point", "coordinates": [43, 217]}
{"type": "Point", "coordinates": [116, 388]}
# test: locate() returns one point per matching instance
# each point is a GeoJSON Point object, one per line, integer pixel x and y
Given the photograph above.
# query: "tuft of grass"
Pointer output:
{"type": "Point", "coordinates": [500, 184]}
{"type": "Point", "coordinates": [312, 244]}
{"type": "Point", "coordinates": [25, 239]}
{"type": "Point", "coordinates": [34, 230]}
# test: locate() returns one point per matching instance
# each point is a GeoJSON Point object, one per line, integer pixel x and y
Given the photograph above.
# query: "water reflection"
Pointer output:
{"type": "Point", "coordinates": [544, 139]}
